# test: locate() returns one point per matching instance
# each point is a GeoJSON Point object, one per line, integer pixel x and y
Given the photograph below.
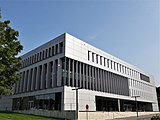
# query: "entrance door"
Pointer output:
{"type": "Point", "coordinates": [30, 104]}
{"type": "Point", "coordinates": [128, 107]}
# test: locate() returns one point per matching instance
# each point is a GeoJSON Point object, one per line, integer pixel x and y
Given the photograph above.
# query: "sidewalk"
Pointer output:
{"type": "Point", "coordinates": [143, 117]}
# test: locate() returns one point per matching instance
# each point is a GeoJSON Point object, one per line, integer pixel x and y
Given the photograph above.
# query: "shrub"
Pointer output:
{"type": "Point", "coordinates": [156, 117]}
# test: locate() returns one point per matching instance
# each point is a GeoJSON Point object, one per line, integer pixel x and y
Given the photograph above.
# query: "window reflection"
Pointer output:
{"type": "Point", "coordinates": [46, 102]}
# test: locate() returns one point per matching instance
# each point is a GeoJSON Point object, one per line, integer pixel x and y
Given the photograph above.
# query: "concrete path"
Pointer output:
{"type": "Point", "coordinates": [143, 117]}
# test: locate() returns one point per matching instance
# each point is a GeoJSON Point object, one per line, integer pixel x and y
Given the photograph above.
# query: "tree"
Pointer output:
{"type": "Point", "coordinates": [9, 62]}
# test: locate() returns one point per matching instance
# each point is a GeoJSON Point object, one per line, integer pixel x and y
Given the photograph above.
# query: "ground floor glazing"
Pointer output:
{"type": "Point", "coordinates": [50, 101]}
{"type": "Point", "coordinates": [112, 104]}
{"type": "Point", "coordinates": [53, 101]}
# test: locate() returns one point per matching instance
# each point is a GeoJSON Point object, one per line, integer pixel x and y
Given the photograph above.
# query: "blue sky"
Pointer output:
{"type": "Point", "coordinates": [127, 29]}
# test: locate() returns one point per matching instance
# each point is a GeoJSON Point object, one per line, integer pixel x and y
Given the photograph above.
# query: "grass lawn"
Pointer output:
{"type": "Point", "coordinates": [17, 116]}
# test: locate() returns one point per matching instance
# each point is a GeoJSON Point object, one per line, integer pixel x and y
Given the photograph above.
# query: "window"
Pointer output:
{"type": "Point", "coordinates": [96, 58]}
{"type": "Point", "coordinates": [57, 49]}
{"type": "Point", "coordinates": [61, 47]}
{"type": "Point", "coordinates": [88, 55]}
{"type": "Point", "coordinates": [43, 54]}
{"type": "Point", "coordinates": [114, 65]}
{"type": "Point", "coordinates": [104, 61]}
{"type": "Point", "coordinates": [40, 56]}
{"type": "Point", "coordinates": [24, 63]}
{"type": "Point", "coordinates": [111, 64]}
{"type": "Point", "coordinates": [49, 52]}
{"type": "Point", "coordinates": [117, 67]}
{"type": "Point", "coordinates": [92, 57]}
{"type": "Point", "coordinates": [28, 61]}
{"type": "Point", "coordinates": [100, 60]}
{"type": "Point", "coordinates": [47, 101]}
{"type": "Point", "coordinates": [46, 53]}
{"type": "Point", "coordinates": [144, 77]}
{"type": "Point", "coordinates": [38, 59]}
{"type": "Point", "coordinates": [33, 59]}
{"type": "Point", "coordinates": [108, 63]}
{"type": "Point", "coordinates": [120, 67]}
{"type": "Point", "coordinates": [52, 50]}
{"type": "Point", "coordinates": [125, 70]}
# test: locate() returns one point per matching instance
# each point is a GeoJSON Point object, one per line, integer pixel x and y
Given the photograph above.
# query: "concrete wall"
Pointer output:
{"type": "Point", "coordinates": [109, 115]}
{"type": "Point", "coordinates": [6, 103]}
{"type": "Point", "coordinates": [88, 97]}
{"type": "Point", "coordinates": [85, 115]}
{"type": "Point", "coordinates": [57, 114]}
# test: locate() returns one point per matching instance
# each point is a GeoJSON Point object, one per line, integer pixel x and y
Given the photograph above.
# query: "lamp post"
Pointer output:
{"type": "Point", "coordinates": [136, 103]}
{"type": "Point", "coordinates": [76, 89]}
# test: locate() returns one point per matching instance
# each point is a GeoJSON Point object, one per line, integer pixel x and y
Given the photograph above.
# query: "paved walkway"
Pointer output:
{"type": "Point", "coordinates": [143, 117]}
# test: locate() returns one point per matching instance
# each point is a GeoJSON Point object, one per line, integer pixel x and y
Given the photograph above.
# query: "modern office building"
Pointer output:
{"type": "Point", "coordinates": [51, 71]}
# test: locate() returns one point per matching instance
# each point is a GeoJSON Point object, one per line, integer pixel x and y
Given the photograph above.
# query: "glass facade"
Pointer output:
{"type": "Point", "coordinates": [144, 77]}
{"type": "Point", "coordinates": [78, 74]}
{"type": "Point", "coordinates": [46, 101]}
{"type": "Point", "coordinates": [111, 104]}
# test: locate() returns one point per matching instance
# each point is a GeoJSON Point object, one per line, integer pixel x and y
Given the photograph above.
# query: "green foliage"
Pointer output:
{"type": "Point", "coordinates": [9, 62]}
{"type": "Point", "coordinates": [156, 117]}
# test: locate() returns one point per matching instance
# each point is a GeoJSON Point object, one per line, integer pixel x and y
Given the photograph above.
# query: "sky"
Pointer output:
{"type": "Point", "coordinates": [127, 29]}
